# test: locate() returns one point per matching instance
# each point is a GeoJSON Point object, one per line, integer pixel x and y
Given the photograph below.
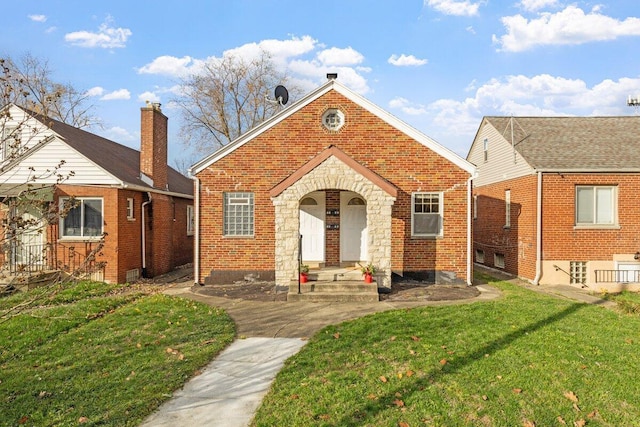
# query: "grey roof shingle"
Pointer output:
{"type": "Point", "coordinates": [574, 143]}
{"type": "Point", "coordinates": [120, 161]}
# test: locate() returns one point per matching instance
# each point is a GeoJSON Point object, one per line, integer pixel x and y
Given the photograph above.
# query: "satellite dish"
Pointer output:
{"type": "Point", "coordinates": [282, 95]}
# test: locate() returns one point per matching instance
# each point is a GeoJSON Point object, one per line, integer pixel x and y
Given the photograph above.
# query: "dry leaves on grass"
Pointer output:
{"type": "Point", "coordinates": [571, 396]}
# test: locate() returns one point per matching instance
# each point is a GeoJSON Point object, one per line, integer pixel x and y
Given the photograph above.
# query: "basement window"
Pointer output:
{"type": "Point", "coordinates": [498, 260]}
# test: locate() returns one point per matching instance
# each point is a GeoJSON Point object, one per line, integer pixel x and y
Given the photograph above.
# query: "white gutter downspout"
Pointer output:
{"type": "Point", "coordinates": [144, 238]}
{"type": "Point", "coordinates": [469, 234]}
{"type": "Point", "coordinates": [196, 240]}
{"type": "Point", "coordinates": [538, 231]}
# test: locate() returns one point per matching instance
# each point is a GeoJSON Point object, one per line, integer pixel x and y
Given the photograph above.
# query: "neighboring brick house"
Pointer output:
{"type": "Point", "coordinates": [143, 207]}
{"type": "Point", "coordinates": [357, 183]}
{"type": "Point", "coordinates": [555, 199]}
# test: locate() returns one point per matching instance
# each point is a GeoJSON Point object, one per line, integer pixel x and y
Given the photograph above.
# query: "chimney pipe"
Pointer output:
{"type": "Point", "coordinates": [332, 76]}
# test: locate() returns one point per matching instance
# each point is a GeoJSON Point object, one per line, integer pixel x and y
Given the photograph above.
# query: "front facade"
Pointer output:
{"type": "Point", "coordinates": [554, 201]}
{"type": "Point", "coordinates": [92, 207]}
{"type": "Point", "coordinates": [355, 183]}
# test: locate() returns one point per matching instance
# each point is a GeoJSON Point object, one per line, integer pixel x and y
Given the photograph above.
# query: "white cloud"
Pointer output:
{"type": "Point", "coordinates": [95, 91]}
{"type": "Point", "coordinates": [107, 36]}
{"type": "Point", "coordinates": [405, 60]}
{"type": "Point", "coordinates": [119, 134]}
{"type": "Point", "coordinates": [168, 66]}
{"type": "Point", "coordinates": [51, 30]}
{"type": "Point", "coordinates": [337, 57]}
{"type": "Point", "coordinates": [533, 5]}
{"type": "Point", "coordinates": [570, 26]}
{"type": "Point", "coordinates": [119, 94]}
{"type": "Point", "coordinates": [38, 18]}
{"type": "Point", "coordinates": [305, 60]}
{"type": "Point", "coordinates": [518, 95]}
{"type": "Point", "coordinates": [149, 96]}
{"type": "Point", "coordinates": [454, 7]}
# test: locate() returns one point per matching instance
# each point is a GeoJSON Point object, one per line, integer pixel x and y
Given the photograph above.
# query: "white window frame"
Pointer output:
{"type": "Point", "coordinates": [598, 199]}
{"type": "Point", "coordinates": [485, 149]}
{"type": "Point", "coordinates": [480, 256]}
{"type": "Point", "coordinates": [8, 148]}
{"type": "Point", "coordinates": [130, 209]}
{"type": "Point", "coordinates": [333, 119]}
{"type": "Point", "coordinates": [507, 208]}
{"type": "Point", "coordinates": [191, 226]}
{"type": "Point", "coordinates": [475, 206]}
{"type": "Point", "coordinates": [440, 214]}
{"type": "Point", "coordinates": [81, 203]}
{"type": "Point", "coordinates": [238, 214]}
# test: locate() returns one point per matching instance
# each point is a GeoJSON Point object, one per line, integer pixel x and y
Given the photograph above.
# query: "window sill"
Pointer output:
{"type": "Point", "coordinates": [597, 227]}
{"type": "Point", "coordinates": [426, 237]}
{"type": "Point", "coordinates": [131, 219]}
{"type": "Point", "coordinates": [72, 239]}
{"type": "Point", "coordinates": [252, 236]}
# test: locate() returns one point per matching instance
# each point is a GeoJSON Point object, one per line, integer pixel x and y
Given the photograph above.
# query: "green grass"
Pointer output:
{"type": "Point", "coordinates": [524, 359]}
{"type": "Point", "coordinates": [88, 354]}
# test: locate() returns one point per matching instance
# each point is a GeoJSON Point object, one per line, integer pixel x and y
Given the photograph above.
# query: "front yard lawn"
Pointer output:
{"type": "Point", "coordinates": [526, 359]}
{"type": "Point", "coordinates": [87, 354]}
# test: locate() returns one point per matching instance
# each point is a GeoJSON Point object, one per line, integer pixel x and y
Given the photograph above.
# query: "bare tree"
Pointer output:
{"type": "Point", "coordinates": [27, 82]}
{"type": "Point", "coordinates": [227, 98]}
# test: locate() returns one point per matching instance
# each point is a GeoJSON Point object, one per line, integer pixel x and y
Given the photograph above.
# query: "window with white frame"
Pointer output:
{"type": "Point", "coordinates": [485, 149]}
{"type": "Point", "coordinates": [191, 225]}
{"type": "Point", "coordinates": [480, 256]}
{"type": "Point", "coordinates": [238, 214]}
{"type": "Point", "coordinates": [596, 205]}
{"type": "Point", "coordinates": [426, 218]}
{"type": "Point", "coordinates": [81, 217]}
{"type": "Point", "coordinates": [130, 208]}
{"type": "Point", "coordinates": [10, 142]}
{"type": "Point", "coordinates": [507, 208]}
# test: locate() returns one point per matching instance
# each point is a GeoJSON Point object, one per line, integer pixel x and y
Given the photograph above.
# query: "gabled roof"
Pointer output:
{"type": "Point", "coordinates": [118, 160]}
{"type": "Point", "coordinates": [574, 143]}
{"type": "Point", "coordinates": [333, 84]}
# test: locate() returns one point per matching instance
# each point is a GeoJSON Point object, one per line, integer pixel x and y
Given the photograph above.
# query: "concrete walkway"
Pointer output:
{"type": "Point", "coordinates": [230, 389]}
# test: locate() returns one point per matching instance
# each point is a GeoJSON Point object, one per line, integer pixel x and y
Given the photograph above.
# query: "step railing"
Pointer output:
{"type": "Point", "coordinates": [617, 276]}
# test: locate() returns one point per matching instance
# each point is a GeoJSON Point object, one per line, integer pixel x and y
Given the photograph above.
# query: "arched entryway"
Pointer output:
{"type": "Point", "coordinates": [336, 171]}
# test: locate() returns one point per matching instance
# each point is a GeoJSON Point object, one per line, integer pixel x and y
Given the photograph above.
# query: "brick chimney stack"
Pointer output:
{"type": "Point", "coordinates": [153, 144]}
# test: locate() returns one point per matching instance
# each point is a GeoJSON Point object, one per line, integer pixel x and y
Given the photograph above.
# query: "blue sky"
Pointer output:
{"type": "Point", "coordinates": [439, 65]}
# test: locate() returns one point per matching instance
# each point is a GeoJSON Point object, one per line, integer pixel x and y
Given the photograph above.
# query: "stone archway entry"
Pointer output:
{"type": "Point", "coordinates": [333, 169]}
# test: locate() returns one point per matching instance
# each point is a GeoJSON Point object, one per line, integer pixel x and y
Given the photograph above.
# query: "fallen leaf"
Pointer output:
{"type": "Point", "coordinates": [517, 390]}
{"type": "Point", "coordinates": [393, 338]}
{"type": "Point", "coordinates": [83, 420]}
{"type": "Point", "coordinates": [402, 424]}
{"type": "Point", "coordinates": [576, 407]}
{"type": "Point", "coordinates": [593, 414]}
{"type": "Point", "coordinates": [336, 335]}
{"type": "Point", "coordinates": [443, 362]}
{"type": "Point", "coordinates": [23, 420]}
{"type": "Point", "coordinates": [484, 397]}
{"type": "Point", "coordinates": [415, 338]}
{"type": "Point", "coordinates": [324, 417]}
{"type": "Point", "coordinates": [580, 423]}
{"type": "Point", "coordinates": [399, 403]}
{"type": "Point", "coordinates": [383, 378]}
{"type": "Point", "coordinates": [411, 352]}
{"type": "Point", "coordinates": [443, 346]}
{"type": "Point", "coordinates": [169, 350]}
{"type": "Point", "coordinates": [528, 423]}
{"type": "Point", "coordinates": [409, 373]}
{"type": "Point", "coordinates": [561, 420]}
{"type": "Point", "coordinates": [499, 377]}
{"type": "Point", "coordinates": [294, 397]}
{"type": "Point", "coordinates": [372, 396]}
{"type": "Point", "coordinates": [398, 394]}
{"type": "Point", "coordinates": [400, 375]}
{"type": "Point", "coordinates": [571, 396]}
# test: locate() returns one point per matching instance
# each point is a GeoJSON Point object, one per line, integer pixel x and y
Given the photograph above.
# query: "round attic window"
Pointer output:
{"type": "Point", "coordinates": [333, 119]}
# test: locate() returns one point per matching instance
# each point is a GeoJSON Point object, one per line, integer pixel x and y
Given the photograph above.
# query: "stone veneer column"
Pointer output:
{"type": "Point", "coordinates": [332, 174]}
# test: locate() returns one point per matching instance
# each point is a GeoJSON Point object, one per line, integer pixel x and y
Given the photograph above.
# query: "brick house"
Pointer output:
{"type": "Point", "coordinates": [143, 207]}
{"type": "Point", "coordinates": [554, 201]}
{"type": "Point", "coordinates": [356, 183]}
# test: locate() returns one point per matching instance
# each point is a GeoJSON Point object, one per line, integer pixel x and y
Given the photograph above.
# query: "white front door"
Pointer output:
{"type": "Point", "coordinates": [312, 215]}
{"type": "Point", "coordinates": [30, 241]}
{"type": "Point", "coordinates": [353, 227]}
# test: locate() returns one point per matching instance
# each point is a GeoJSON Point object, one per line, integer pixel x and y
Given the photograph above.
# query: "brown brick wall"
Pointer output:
{"type": "Point", "coordinates": [272, 156]}
{"type": "Point", "coordinates": [518, 242]}
{"type": "Point", "coordinates": [332, 237]}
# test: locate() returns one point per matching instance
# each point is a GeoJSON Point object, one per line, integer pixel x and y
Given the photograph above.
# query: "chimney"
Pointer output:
{"type": "Point", "coordinates": [153, 145]}
{"type": "Point", "coordinates": [332, 76]}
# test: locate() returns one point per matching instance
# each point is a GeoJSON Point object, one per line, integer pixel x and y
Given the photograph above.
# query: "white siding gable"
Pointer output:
{"type": "Point", "coordinates": [503, 162]}
{"type": "Point", "coordinates": [46, 157]}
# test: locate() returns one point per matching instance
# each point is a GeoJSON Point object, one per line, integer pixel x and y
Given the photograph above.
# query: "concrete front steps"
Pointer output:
{"type": "Point", "coordinates": [334, 285]}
